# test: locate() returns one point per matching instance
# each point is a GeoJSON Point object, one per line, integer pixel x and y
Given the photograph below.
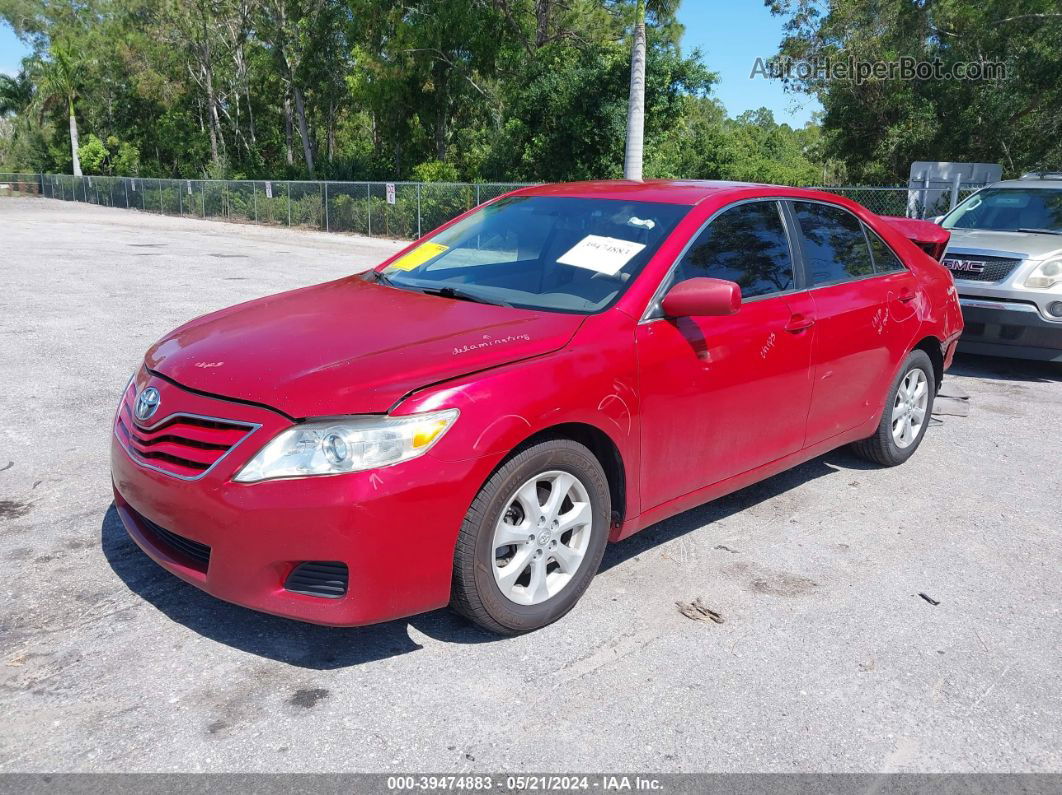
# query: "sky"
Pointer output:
{"type": "Point", "coordinates": [11, 50]}
{"type": "Point", "coordinates": [730, 34]}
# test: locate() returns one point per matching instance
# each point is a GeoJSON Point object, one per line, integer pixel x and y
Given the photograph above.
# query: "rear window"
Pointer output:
{"type": "Point", "coordinates": [835, 248]}
{"type": "Point", "coordinates": [885, 260]}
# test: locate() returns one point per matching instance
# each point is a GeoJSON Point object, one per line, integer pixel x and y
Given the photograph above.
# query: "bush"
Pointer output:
{"type": "Point", "coordinates": [127, 160]}
{"type": "Point", "coordinates": [435, 171]}
{"type": "Point", "coordinates": [93, 155]}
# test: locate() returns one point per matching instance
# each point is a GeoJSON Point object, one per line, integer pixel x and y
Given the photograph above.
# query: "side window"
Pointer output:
{"type": "Point", "coordinates": [885, 261]}
{"type": "Point", "coordinates": [746, 244]}
{"type": "Point", "coordinates": [835, 249]}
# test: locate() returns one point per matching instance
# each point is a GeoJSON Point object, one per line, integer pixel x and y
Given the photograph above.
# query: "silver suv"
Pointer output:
{"type": "Point", "coordinates": [1006, 256]}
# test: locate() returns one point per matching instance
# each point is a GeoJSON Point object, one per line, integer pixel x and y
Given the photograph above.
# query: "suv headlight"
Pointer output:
{"type": "Point", "coordinates": [346, 444]}
{"type": "Point", "coordinates": [1046, 275]}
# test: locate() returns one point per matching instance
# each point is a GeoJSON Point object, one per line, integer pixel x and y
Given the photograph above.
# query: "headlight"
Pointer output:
{"type": "Point", "coordinates": [346, 444]}
{"type": "Point", "coordinates": [1046, 275]}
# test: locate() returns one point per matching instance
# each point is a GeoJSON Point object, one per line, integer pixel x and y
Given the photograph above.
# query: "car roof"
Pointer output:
{"type": "Point", "coordinates": [1029, 182]}
{"type": "Point", "coordinates": [670, 191]}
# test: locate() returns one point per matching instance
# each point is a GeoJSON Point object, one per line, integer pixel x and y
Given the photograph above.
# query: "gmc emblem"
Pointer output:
{"type": "Point", "coordinates": [965, 265]}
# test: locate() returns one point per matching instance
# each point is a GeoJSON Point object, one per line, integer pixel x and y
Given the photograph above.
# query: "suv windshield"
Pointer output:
{"type": "Point", "coordinates": [1009, 210]}
{"type": "Point", "coordinates": [540, 252]}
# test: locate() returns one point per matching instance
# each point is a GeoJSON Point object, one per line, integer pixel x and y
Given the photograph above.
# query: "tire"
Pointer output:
{"type": "Point", "coordinates": [884, 447]}
{"type": "Point", "coordinates": [503, 510]}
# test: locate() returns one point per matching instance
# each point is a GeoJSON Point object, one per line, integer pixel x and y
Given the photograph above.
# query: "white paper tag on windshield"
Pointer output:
{"type": "Point", "coordinates": [605, 255]}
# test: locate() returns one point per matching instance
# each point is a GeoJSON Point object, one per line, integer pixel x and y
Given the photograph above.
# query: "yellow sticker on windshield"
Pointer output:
{"type": "Point", "coordinates": [418, 256]}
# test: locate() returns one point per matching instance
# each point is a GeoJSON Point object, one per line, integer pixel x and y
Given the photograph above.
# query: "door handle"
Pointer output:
{"type": "Point", "coordinates": [798, 323]}
{"type": "Point", "coordinates": [907, 296]}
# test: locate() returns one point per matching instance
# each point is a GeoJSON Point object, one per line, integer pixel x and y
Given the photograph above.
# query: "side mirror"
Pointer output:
{"type": "Point", "coordinates": [702, 297]}
{"type": "Point", "coordinates": [938, 219]}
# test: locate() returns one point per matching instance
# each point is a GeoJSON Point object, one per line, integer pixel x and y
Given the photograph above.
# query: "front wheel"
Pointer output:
{"type": "Point", "coordinates": [533, 538]}
{"type": "Point", "coordinates": [906, 415]}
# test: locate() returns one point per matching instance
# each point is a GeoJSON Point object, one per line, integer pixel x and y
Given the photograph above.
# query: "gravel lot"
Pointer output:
{"type": "Point", "coordinates": [828, 659]}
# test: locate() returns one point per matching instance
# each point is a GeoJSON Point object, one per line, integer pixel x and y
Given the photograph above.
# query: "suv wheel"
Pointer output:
{"type": "Point", "coordinates": [906, 415]}
{"type": "Point", "coordinates": [533, 538]}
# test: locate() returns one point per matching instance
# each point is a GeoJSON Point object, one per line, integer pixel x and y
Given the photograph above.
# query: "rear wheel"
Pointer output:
{"type": "Point", "coordinates": [533, 538]}
{"type": "Point", "coordinates": [906, 415]}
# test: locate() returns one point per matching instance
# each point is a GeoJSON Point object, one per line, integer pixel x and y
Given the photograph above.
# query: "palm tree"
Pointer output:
{"type": "Point", "coordinates": [16, 99]}
{"type": "Point", "coordinates": [16, 94]}
{"type": "Point", "coordinates": [59, 80]}
{"type": "Point", "coordinates": [632, 160]}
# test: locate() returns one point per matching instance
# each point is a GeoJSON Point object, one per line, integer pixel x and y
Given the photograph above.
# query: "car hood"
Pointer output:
{"type": "Point", "coordinates": [349, 346]}
{"type": "Point", "coordinates": [1028, 244]}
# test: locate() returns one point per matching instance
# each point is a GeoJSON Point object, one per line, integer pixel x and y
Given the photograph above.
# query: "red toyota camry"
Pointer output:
{"type": "Point", "coordinates": [471, 422]}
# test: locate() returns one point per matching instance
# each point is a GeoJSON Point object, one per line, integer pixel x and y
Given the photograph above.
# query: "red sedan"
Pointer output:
{"type": "Point", "coordinates": [471, 422]}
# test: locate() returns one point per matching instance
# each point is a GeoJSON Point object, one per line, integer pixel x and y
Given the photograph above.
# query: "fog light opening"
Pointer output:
{"type": "Point", "coordinates": [323, 578]}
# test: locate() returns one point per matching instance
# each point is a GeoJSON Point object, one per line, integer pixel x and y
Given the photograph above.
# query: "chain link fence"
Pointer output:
{"type": "Point", "coordinates": [402, 210]}
{"type": "Point", "coordinates": [904, 201]}
{"type": "Point", "coordinates": [20, 184]}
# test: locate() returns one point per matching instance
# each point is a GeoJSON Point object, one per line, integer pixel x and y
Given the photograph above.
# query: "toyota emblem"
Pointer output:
{"type": "Point", "coordinates": [147, 404]}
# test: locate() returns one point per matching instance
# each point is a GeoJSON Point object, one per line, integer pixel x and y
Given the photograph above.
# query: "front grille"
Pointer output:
{"type": "Point", "coordinates": [1029, 336]}
{"type": "Point", "coordinates": [197, 554]}
{"type": "Point", "coordinates": [318, 578]}
{"type": "Point", "coordinates": [182, 445]}
{"type": "Point", "coordinates": [979, 267]}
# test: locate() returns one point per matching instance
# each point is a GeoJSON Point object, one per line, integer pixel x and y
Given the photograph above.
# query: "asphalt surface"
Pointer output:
{"type": "Point", "coordinates": [828, 659]}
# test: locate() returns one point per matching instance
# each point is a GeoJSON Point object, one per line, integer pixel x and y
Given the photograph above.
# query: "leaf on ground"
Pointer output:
{"type": "Point", "coordinates": [699, 611]}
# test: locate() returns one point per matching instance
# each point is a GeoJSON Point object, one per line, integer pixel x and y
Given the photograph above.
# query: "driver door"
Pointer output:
{"type": "Point", "coordinates": [724, 395]}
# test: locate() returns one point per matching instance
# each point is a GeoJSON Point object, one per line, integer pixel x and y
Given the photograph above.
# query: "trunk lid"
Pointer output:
{"type": "Point", "coordinates": [928, 236]}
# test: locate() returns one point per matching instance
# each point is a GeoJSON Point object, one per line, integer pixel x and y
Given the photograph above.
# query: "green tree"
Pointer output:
{"type": "Point", "coordinates": [877, 127]}
{"type": "Point", "coordinates": [16, 94]}
{"type": "Point", "coordinates": [372, 89]}
{"type": "Point", "coordinates": [59, 80]}
{"type": "Point", "coordinates": [634, 152]}
{"type": "Point", "coordinates": [18, 132]}
{"type": "Point", "coordinates": [126, 158]}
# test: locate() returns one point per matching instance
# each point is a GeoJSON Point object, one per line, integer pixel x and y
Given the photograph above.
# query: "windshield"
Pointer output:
{"type": "Point", "coordinates": [540, 252]}
{"type": "Point", "coordinates": [1009, 210]}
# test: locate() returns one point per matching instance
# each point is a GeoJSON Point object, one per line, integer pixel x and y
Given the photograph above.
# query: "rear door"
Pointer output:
{"type": "Point", "coordinates": [864, 308]}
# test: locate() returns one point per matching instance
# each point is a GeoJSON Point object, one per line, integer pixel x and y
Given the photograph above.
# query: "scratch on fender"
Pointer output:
{"type": "Point", "coordinates": [881, 317]}
{"type": "Point", "coordinates": [625, 410]}
{"type": "Point", "coordinates": [903, 311]}
{"type": "Point", "coordinates": [479, 439]}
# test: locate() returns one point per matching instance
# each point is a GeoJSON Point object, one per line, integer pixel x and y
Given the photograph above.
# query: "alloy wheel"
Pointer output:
{"type": "Point", "coordinates": [541, 537]}
{"type": "Point", "coordinates": [909, 408]}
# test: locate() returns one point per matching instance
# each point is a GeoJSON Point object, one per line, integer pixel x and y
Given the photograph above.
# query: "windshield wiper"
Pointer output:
{"type": "Point", "coordinates": [381, 277]}
{"type": "Point", "coordinates": [445, 292]}
{"type": "Point", "coordinates": [460, 295]}
{"type": "Point", "coordinates": [1039, 231]}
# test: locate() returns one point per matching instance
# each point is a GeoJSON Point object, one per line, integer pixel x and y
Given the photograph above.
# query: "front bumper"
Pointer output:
{"type": "Point", "coordinates": [395, 528]}
{"type": "Point", "coordinates": [1009, 328]}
